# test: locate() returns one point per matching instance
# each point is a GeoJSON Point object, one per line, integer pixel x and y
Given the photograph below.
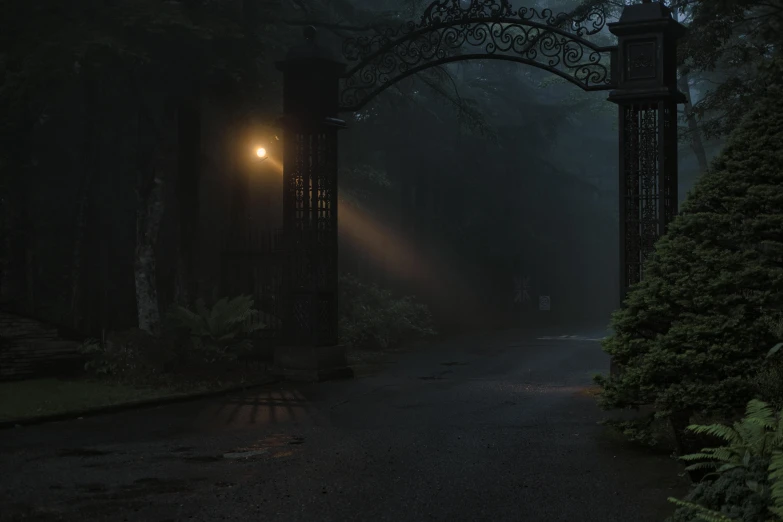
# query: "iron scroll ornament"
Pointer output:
{"type": "Point", "coordinates": [450, 30]}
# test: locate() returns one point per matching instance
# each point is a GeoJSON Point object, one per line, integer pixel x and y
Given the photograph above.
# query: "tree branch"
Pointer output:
{"type": "Point", "coordinates": [332, 26]}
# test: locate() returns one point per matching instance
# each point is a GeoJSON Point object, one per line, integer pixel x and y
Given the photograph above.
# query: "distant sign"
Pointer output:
{"type": "Point", "coordinates": [544, 304]}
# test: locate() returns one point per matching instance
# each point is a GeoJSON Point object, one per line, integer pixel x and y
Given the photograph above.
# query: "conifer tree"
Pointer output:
{"type": "Point", "coordinates": [694, 332]}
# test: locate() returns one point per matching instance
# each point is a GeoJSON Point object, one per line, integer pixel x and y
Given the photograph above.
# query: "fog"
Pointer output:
{"type": "Point", "coordinates": [480, 186]}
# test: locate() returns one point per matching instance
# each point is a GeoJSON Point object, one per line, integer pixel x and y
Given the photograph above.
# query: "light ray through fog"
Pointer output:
{"type": "Point", "coordinates": [429, 270]}
{"type": "Point", "coordinates": [399, 256]}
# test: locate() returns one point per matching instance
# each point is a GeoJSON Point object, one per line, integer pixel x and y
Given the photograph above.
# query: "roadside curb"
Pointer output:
{"type": "Point", "coordinates": [147, 403]}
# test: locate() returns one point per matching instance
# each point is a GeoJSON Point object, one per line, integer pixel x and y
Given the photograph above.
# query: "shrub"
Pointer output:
{"type": "Point", "coordinates": [746, 483]}
{"type": "Point", "coordinates": [373, 317]}
{"type": "Point", "coordinates": [217, 334]}
{"type": "Point", "coordinates": [692, 334]}
{"type": "Point", "coordinates": [221, 332]}
{"type": "Point", "coordinates": [726, 496]}
{"type": "Point", "coordinates": [96, 358]}
{"type": "Point", "coordinates": [647, 432]}
{"type": "Point", "coordinates": [130, 355]}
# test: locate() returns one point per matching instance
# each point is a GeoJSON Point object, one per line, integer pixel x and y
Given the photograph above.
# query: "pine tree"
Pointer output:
{"type": "Point", "coordinates": [693, 333]}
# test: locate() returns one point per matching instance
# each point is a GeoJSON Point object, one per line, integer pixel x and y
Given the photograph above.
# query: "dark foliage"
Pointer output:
{"type": "Point", "coordinates": [695, 331]}
{"type": "Point", "coordinates": [371, 317]}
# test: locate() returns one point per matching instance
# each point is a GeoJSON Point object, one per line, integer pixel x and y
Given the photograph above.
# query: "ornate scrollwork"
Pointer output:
{"type": "Point", "coordinates": [451, 30]}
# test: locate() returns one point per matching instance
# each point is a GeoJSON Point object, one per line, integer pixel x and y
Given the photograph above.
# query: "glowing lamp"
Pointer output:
{"type": "Point", "coordinates": [261, 152]}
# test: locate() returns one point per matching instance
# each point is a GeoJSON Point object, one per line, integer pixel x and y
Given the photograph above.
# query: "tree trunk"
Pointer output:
{"type": "Point", "coordinates": [697, 144]}
{"type": "Point", "coordinates": [148, 218]}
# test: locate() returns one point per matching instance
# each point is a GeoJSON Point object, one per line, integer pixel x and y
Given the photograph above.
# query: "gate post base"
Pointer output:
{"type": "Point", "coordinates": [311, 363]}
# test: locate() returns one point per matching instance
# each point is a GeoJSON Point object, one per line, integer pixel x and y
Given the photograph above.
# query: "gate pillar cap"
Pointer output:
{"type": "Point", "coordinates": [310, 51]}
{"type": "Point", "coordinates": [645, 12]}
{"type": "Point", "coordinates": [653, 16]}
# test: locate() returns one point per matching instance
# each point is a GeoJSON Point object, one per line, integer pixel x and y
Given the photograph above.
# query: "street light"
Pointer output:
{"type": "Point", "coordinates": [261, 153]}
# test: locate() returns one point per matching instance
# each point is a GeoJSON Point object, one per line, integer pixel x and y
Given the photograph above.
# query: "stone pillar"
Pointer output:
{"type": "Point", "coordinates": [310, 349]}
{"type": "Point", "coordinates": [645, 67]}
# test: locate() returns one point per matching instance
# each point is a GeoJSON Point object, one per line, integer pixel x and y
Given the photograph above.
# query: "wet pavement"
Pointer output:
{"type": "Point", "coordinates": [493, 427]}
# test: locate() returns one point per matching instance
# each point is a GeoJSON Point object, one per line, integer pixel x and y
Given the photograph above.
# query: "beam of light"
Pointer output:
{"type": "Point", "coordinates": [366, 231]}
{"type": "Point", "coordinates": [427, 269]}
{"type": "Point", "coordinates": [431, 271]}
{"type": "Point", "coordinates": [275, 164]}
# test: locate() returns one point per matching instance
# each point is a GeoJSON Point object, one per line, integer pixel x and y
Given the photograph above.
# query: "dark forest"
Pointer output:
{"type": "Point", "coordinates": [533, 254]}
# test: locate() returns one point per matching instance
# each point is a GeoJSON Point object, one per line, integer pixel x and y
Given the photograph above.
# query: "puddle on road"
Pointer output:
{"type": "Point", "coordinates": [274, 446]}
{"type": "Point", "coordinates": [234, 455]}
{"type": "Point", "coordinates": [201, 458]}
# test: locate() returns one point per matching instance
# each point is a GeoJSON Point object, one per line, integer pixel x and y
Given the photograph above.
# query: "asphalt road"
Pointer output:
{"type": "Point", "coordinates": [497, 427]}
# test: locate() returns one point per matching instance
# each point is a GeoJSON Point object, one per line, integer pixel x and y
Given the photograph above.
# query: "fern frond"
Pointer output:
{"type": "Point", "coordinates": [701, 512]}
{"type": "Point", "coordinates": [760, 413]}
{"type": "Point", "coordinates": [706, 454]}
{"type": "Point", "coordinates": [725, 454]}
{"type": "Point", "coordinates": [193, 322]}
{"type": "Point", "coordinates": [702, 465]}
{"type": "Point", "coordinates": [716, 430]}
{"type": "Point", "coordinates": [728, 466]}
{"type": "Point", "coordinates": [229, 313]}
{"type": "Point", "coordinates": [776, 481]}
{"type": "Point", "coordinates": [222, 324]}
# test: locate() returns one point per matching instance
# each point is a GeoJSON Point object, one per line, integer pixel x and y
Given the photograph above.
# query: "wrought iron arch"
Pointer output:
{"type": "Point", "coordinates": [451, 30]}
{"type": "Point", "coordinates": [641, 71]}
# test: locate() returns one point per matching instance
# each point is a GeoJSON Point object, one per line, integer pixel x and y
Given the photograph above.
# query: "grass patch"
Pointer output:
{"type": "Point", "coordinates": [40, 397]}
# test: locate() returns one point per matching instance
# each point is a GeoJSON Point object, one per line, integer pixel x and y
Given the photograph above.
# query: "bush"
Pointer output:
{"type": "Point", "coordinates": [130, 355]}
{"type": "Point", "coordinates": [746, 483]}
{"type": "Point", "coordinates": [727, 496]}
{"type": "Point", "coordinates": [694, 332]}
{"type": "Point", "coordinates": [192, 340]}
{"type": "Point", "coordinates": [371, 317]}
{"type": "Point", "coordinates": [222, 332]}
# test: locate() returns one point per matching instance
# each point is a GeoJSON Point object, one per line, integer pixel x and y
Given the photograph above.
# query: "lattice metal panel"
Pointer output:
{"type": "Point", "coordinates": [326, 216]}
{"type": "Point", "coordinates": [303, 320]}
{"type": "Point", "coordinates": [642, 187]}
{"type": "Point", "coordinates": [669, 177]}
{"type": "Point", "coordinates": [312, 267]}
{"type": "Point", "coordinates": [298, 179]}
{"type": "Point", "coordinates": [301, 250]}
